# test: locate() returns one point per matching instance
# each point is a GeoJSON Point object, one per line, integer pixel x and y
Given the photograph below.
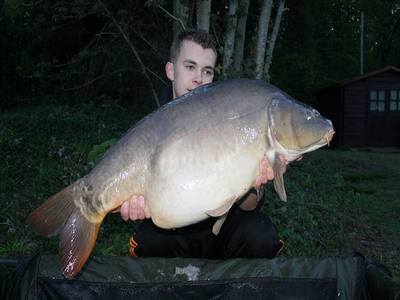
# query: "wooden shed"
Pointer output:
{"type": "Point", "coordinates": [365, 110]}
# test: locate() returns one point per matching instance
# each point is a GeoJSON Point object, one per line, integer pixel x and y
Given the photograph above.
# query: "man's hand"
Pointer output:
{"type": "Point", "coordinates": [134, 209]}
{"type": "Point", "coordinates": [266, 173]}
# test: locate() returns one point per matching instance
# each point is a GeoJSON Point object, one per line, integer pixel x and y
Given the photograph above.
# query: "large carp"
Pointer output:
{"type": "Point", "coordinates": [190, 159]}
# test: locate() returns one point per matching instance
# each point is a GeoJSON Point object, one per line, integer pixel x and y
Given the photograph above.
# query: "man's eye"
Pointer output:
{"type": "Point", "coordinates": [191, 68]}
{"type": "Point", "coordinates": [208, 72]}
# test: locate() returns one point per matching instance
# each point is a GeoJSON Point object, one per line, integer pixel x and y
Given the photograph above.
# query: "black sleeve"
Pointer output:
{"type": "Point", "coordinates": [166, 95]}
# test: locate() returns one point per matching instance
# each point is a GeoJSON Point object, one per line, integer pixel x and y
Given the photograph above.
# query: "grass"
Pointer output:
{"type": "Point", "coordinates": [339, 202]}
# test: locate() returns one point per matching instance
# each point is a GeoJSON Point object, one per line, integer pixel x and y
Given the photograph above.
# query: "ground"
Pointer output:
{"type": "Point", "coordinates": [339, 201]}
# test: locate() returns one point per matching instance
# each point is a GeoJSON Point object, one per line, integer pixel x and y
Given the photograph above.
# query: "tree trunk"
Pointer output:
{"type": "Point", "coordinates": [203, 12]}
{"type": "Point", "coordinates": [240, 35]}
{"type": "Point", "coordinates": [262, 35]}
{"type": "Point", "coordinates": [229, 38]}
{"type": "Point", "coordinates": [271, 44]}
{"type": "Point", "coordinates": [181, 13]}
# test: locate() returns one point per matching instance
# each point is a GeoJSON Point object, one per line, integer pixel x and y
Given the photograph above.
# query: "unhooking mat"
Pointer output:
{"type": "Point", "coordinates": [184, 278]}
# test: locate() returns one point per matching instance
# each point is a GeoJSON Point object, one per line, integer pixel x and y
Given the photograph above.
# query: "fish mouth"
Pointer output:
{"type": "Point", "coordinates": [328, 136]}
{"type": "Point", "coordinates": [325, 140]}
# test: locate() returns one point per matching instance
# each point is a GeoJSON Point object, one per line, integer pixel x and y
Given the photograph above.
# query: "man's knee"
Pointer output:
{"type": "Point", "coordinates": [252, 235]}
{"type": "Point", "coordinates": [261, 236]}
{"type": "Point", "coordinates": [149, 242]}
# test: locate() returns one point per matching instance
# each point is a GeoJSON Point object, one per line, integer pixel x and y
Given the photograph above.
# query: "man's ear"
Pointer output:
{"type": "Point", "coordinates": [169, 70]}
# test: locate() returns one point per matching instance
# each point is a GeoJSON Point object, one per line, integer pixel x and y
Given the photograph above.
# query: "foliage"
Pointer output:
{"type": "Point", "coordinates": [98, 150]}
{"type": "Point", "coordinates": [73, 50]}
{"type": "Point", "coordinates": [320, 43]}
{"type": "Point", "coordinates": [44, 148]}
{"type": "Point", "coordinates": [338, 201]}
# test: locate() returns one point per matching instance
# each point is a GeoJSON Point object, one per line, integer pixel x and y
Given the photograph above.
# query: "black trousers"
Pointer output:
{"type": "Point", "coordinates": [248, 234]}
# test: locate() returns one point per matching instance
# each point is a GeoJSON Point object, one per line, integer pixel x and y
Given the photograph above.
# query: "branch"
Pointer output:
{"type": "Point", "coordinates": [135, 53]}
{"type": "Point", "coordinates": [148, 43]}
{"type": "Point", "coordinates": [32, 4]}
{"type": "Point", "coordinates": [76, 58]}
{"type": "Point", "coordinates": [157, 76]}
{"type": "Point", "coordinates": [95, 79]}
{"type": "Point", "coordinates": [172, 16]}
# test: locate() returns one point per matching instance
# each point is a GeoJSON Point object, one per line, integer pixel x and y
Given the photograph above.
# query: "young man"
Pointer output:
{"type": "Point", "coordinates": [246, 231]}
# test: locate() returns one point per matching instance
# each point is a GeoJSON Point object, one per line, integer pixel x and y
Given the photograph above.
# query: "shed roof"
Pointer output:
{"type": "Point", "coordinates": [369, 74]}
{"type": "Point", "coordinates": [361, 77]}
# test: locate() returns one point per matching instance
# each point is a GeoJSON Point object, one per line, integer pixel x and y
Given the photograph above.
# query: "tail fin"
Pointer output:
{"type": "Point", "coordinates": [77, 240]}
{"type": "Point", "coordinates": [60, 215]}
{"type": "Point", "coordinates": [50, 218]}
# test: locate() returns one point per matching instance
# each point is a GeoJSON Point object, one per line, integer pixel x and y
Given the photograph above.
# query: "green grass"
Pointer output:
{"type": "Point", "coordinates": [339, 202]}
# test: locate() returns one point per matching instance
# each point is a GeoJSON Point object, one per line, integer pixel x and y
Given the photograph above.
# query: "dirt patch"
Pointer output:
{"type": "Point", "coordinates": [376, 245]}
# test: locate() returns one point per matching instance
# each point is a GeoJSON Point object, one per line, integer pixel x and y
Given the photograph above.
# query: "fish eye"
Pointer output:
{"type": "Point", "coordinates": [311, 114]}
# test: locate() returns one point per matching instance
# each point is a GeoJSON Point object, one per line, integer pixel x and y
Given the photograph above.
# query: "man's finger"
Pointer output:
{"type": "Point", "coordinates": [265, 173]}
{"type": "Point", "coordinates": [133, 206]}
{"type": "Point", "coordinates": [124, 209]}
{"type": "Point", "coordinates": [140, 208]}
{"type": "Point", "coordinates": [270, 174]}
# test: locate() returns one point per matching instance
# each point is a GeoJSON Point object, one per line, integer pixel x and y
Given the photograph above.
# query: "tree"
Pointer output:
{"type": "Point", "coordinates": [271, 44]}
{"type": "Point", "coordinates": [78, 51]}
{"type": "Point", "coordinates": [203, 12]}
{"type": "Point", "coordinates": [181, 16]}
{"type": "Point", "coordinates": [262, 34]}
{"type": "Point", "coordinates": [229, 43]}
{"type": "Point", "coordinates": [382, 33]}
{"type": "Point", "coordinates": [240, 35]}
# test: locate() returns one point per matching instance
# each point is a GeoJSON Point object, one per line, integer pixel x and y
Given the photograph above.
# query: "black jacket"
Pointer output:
{"type": "Point", "coordinates": [166, 96]}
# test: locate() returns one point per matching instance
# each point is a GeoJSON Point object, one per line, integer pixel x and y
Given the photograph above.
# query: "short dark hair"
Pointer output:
{"type": "Point", "coordinates": [201, 37]}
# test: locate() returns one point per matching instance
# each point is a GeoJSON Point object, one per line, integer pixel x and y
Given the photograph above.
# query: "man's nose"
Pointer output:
{"type": "Point", "coordinates": [198, 77]}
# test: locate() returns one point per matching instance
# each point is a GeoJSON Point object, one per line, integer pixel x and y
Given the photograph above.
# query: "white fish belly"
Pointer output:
{"type": "Point", "coordinates": [193, 177]}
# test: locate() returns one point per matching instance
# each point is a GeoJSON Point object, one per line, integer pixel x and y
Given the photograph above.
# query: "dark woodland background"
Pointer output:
{"type": "Point", "coordinates": [74, 50]}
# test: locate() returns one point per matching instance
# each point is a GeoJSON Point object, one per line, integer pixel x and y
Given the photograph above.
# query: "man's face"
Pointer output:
{"type": "Point", "coordinates": [194, 66]}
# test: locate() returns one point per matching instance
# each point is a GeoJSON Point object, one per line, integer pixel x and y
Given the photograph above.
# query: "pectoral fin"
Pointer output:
{"type": "Point", "coordinates": [222, 210]}
{"type": "Point", "coordinates": [260, 193]}
{"type": "Point", "coordinates": [218, 224]}
{"type": "Point", "coordinates": [279, 168]}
